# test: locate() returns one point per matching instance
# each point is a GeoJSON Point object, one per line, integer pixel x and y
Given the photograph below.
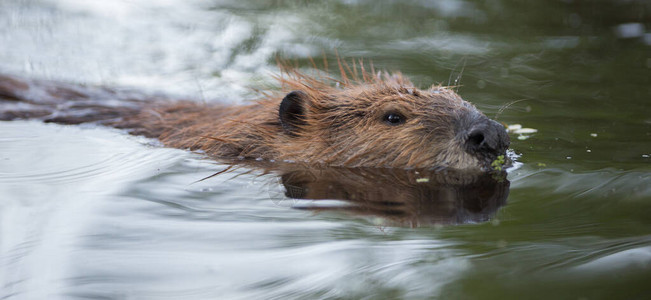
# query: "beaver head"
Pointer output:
{"type": "Point", "coordinates": [387, 123]}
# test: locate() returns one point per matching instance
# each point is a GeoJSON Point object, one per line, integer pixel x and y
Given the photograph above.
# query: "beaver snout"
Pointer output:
{"type": "Point", "coordinates": [487, 138]}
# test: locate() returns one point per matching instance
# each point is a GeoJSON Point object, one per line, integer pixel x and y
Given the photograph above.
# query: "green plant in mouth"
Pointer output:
{"type": "Point", "coordinates": [498, 163]}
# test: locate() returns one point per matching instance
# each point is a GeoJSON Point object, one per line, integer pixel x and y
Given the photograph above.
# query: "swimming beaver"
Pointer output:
{"type": "Point", "coordinates": [371, 121]}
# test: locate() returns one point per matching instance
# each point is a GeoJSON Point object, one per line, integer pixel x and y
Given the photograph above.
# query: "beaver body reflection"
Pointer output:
{"type": "Point", "coordinates": [402, 197]}
{"type": "Point", "coordinates": [370, 120]}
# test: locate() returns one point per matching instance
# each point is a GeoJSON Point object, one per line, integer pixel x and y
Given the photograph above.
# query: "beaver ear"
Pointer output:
{"type": "Point", "coordinates": [292, 112]}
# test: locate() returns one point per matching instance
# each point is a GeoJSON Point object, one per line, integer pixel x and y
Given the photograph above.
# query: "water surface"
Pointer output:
{"type": "Point", "coordinates": [90, 212]}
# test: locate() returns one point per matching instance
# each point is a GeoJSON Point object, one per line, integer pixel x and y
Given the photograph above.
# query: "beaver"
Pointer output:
{"type": "Point", "coordinates": [366, 120]}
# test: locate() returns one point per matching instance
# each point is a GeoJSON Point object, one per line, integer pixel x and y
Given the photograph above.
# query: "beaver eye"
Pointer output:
{"type": "Point", "coordinates": [394, 118]}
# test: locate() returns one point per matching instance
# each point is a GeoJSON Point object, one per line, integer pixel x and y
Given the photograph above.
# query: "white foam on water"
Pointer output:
{"type": "Point", "coordinates": [174, 46]}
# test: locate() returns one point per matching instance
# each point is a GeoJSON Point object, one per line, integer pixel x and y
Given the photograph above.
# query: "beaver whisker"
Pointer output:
{"type": "Point", "coordinates": [213, 175]}
{"type": "Point", "coordinates": [504, 107]}
{"type": "Point", "coordinates": [458, 79]}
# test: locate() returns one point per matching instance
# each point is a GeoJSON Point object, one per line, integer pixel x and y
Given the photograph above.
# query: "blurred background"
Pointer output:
{"type": "Point", "coordinates": [576, 223]}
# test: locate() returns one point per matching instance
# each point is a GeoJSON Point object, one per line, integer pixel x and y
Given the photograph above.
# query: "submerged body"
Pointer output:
{"type": "Point", "coordinates": [373, 122]}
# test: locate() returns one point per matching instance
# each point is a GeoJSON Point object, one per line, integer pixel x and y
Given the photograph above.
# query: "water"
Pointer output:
{"type": "Point", "coordinates": [89, 212]}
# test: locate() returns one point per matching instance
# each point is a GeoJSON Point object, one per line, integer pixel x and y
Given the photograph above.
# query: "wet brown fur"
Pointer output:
{"type": "Point", "coordinates": [343, 124]}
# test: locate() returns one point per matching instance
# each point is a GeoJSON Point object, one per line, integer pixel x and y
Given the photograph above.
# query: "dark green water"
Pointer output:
{"type": "Point", "coordinates": [119, 219]}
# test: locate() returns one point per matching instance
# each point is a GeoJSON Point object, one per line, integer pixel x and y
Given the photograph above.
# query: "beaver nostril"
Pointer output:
{"type": "Point", "coordinates": [475, 139]}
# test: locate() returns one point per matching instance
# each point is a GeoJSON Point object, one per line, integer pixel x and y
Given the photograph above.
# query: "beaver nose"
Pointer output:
{"type": "Point", "coordinates": [487, 136]}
